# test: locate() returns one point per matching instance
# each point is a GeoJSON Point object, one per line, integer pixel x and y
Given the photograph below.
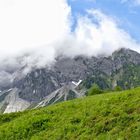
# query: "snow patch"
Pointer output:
{"type": "Point", "coordinates": [77, 83]}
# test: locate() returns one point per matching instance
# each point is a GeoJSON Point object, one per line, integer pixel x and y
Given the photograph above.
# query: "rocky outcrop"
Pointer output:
{"type": "Point", "coordinates": [11, 101]}
{"type": "Point", "coordinates": [67, 92]}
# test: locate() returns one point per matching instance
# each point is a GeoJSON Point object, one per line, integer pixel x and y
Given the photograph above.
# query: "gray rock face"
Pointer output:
{"type": "Point", "coordinates": [37, 84]}
{"type": "Point", "coordinates": [41, 82]}
{"type": "Point", "coordinates": [67, 92]}
{"type": "Point", "coordinates": [125, 57]}
{"type": "Point", "coordinates": [10, 101]}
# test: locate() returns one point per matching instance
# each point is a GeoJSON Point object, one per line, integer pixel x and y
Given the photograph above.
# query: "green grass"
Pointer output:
{"type": "Point", "coordinates": [110, 116]}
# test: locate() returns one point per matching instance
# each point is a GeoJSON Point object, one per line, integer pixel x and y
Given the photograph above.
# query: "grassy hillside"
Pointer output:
{"type": "Point", "coordinates": [103, 117]}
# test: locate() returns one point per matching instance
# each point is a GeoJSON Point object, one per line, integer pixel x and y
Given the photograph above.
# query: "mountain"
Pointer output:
{"type": "Point", "coordinates": [41, 87]}
{"type": "Point", "coordinates": [106, 116]}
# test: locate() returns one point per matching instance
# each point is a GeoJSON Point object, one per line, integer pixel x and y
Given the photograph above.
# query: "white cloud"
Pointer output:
{"type": "Point", "coordinates": [137, 1]}
{"type": "Point", "coordinates": [95, 38]}
{"type": "Point", "coordinates": [134, 2]}
{"type": "Point", "coordinates": [34, 32]}
{"type": "Point", "coordinates": [26, 24]}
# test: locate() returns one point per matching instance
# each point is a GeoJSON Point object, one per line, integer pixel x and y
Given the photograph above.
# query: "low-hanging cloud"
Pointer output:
{"type": "Point", "coordinates": [97, 35]}
{"type": "Point", "coordinates": [33, 33]}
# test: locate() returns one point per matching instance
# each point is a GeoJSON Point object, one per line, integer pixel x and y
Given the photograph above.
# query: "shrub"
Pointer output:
{"type": "Point", "coordinates": [94, 90]}
{"type": "Point", "coordinates": [118, 88]}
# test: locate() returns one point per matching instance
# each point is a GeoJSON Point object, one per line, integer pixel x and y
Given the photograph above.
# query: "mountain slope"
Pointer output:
{"type": "Point", "coordinates": [49, 85]}
{"type": "Point", "coordinates": [106, 116]}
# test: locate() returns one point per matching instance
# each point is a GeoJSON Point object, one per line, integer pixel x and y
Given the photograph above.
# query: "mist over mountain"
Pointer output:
{"type": "Point", "coordinates": [67, 78]}
{"type": "Point", "coordinates": [49, 34]}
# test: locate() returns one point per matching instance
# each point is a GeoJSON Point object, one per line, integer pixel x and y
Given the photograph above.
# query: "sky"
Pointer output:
{"type": "Point", "coordinates": [126, 11]}
{"type": "Point", "coordinates": [34, 32]}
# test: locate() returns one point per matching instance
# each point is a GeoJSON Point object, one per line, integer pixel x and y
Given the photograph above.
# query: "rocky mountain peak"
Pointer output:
{"type": "Point", "coordinates": [39, 84]}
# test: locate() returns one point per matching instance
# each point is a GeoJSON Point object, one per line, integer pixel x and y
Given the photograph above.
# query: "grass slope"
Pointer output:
{"type": "Point", "coordinates": [108, 116]}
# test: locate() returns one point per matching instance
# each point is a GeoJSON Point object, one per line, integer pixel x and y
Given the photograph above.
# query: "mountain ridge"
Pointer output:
{"type": "Point", "coordinates": [122, 69]}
